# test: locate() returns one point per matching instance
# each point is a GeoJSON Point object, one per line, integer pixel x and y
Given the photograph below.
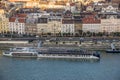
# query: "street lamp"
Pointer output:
{"type": "Point", "coordinates": [54, 29]}
{"type": "Point", "coordinates": [11, 34]}
{"type": "Point", "coordinates": [42, 32]}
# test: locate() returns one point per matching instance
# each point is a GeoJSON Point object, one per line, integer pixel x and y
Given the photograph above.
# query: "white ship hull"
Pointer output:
{"type": "Point", "coordinates": [9, 55]}
{"type": "Point", "coordinates": [31, 52]}
{"type": "Point", "coordinates": [20, 52]}
{"type": "Point", "coordinates": [67, 56]}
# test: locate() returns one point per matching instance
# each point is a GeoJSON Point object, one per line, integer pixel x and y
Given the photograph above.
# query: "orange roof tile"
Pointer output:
{"type": "Point", "coordinates": [21, 20]}
{"type": "Point", "coordinates": [21, 15]}
{"type": "Point", "coordinates": [90, 20]}
{"type": "Point", "coordinates": [12, 19]}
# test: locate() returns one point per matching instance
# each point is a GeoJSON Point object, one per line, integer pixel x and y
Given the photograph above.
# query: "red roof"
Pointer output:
{"type": "Point", "coordinates": [20, 20]}
{"type": "Point", "coordinates": [12, 19]}
{"type": "Point", "coordinates": [21, 15]}
{"type": "Point", "coordinates": [72, 4]}
{"type": "Point", "coordinates": [90, 20]}
{"type": "Point", "coordinates": [70, 21]}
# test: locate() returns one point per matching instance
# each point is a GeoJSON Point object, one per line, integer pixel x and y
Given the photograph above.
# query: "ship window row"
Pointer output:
{"type": "Point", "coordinates": [83, 55]}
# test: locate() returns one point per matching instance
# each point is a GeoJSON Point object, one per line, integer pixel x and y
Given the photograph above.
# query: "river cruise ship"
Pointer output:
{"type": "Point", "coordinates": [51, 53]}
{"type": "Point", "coordinates": [21, 52]}
{"type": "Point", "coordinates": [70, 54]}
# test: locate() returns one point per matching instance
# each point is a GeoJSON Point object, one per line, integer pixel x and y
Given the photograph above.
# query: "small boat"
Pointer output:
{"type": "Point", "coordinates": [21, 52]}
{"type": "Point", "coordinates": [113, 49]}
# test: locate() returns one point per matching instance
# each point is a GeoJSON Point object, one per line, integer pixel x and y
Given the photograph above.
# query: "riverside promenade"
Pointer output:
{"type": "Point", "coordinates": [62, 38]}
{"type": "Point", "coordinates": [91, 43]}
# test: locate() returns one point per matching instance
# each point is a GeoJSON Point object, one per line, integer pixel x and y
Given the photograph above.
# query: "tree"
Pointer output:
{"type": "Point", "coordinates": [49, 34]}
{"type": "Point", "coordinates": [77, 34]}
{"type": "Point", "coordinates": [84, 34]}
{"type": "Point", "coordinates": [99, 34]}
{"type": "Point", "coordinates": [116, 34]}
{"type": "Point", "coordinates": [93, 34]}
{"type": "Point", "coordinates": [80, 32]}
{"type": "Point", "coordinates": [88, 33]}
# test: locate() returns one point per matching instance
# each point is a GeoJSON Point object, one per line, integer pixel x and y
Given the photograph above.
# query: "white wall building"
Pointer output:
{"type": "Point", "coordinates": [68, 23]}
{"type": "Point", "coordinates": [71, 7]}
{"type": "Point", "coordinates": [67, 28]}
{"type": "Point", "coordinates": [17, 25]}
{"type": "Point", "coordinates": [3, 23]}
{"type": "Point", "coordinates": [54, 26]}
{"type": "Point", "coordinates": [36, 15]}
{"type": "Point", "coordinates": [92, 27]}
{"type": "Point", "coordinates": [91, 24]}
{"type": "Point", "coordinates": [109, 8]}
{"type": "Point", "coordinates": [110, 25]}
{"type": "Point", "coordinates": [42, 28]}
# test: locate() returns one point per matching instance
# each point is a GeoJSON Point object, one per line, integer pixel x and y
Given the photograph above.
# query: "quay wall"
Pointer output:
{"type": "Point", "coordinates": [90, 45]}
{"type": "Point", "coordinates": [13, 42]}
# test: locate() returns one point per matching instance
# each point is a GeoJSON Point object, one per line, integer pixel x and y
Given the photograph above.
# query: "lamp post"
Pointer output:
{"type": "Point", "coordinates": [11, 34]}
{"type": "Point", "coordinates": [54, 30]}
{"type": "Point", "coordinates": [69, 31]}
{"type": "Point", "coordinates": [42, 32]}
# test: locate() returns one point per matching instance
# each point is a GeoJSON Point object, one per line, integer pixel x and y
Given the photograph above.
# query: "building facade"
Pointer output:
{"type": "Point", "coordinates": [42, 26]}
{"type": "Point", "coordinates": [3, 22]}
{"type": "Point", "coordinates": [68, 23]}
{"type": "Point", "coordinates": [111, 24]}
{"type": "Point", "coordinates": [109, 7]}
{"type": "Point", "coordinates": [91, 24]}
{"type": "Point", "coordinates": [17, 24]}
{"type": "Point", "coordinates": [54, 23]}
{"type": "Point", "coordinates": [78, 24]}
{"type": "Point", "coordinates": [30, 29]}
{"type": "Point", "coordinates": [110, 21]}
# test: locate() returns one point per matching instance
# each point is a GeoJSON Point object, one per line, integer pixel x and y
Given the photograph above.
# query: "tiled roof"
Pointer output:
{"type": "Point", "coordinates": [115, 1]}
{"type": "Point", "coordinates": [12, 19]}
{"type": "Point", "coordinates": [22, 15]}
{"type": "Point", "coordinates": [21, 20]}
{"type": "Point", "coordinates": [72, 4]}
{"type": "Point", "coordinates": [90, 20]}
{"type": "Point", "coordinates": [67, 21]}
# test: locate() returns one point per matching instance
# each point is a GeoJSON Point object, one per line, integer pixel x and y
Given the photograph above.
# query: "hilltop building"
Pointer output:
{"type": "Point", "coordinates": [68, 23]}
{"type": "Point", "coordinates": [17, 24]}
{"type": "Point", "coordinates": [3, 22]}
{"type": "Point", "coordinates": [91, 24]}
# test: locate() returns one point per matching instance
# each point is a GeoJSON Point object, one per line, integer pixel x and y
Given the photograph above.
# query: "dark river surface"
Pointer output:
{"type": "Point", "coordinates": [108, 68]}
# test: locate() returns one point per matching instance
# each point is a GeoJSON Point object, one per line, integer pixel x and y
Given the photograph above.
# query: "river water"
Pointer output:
{"type": "Point", "coordinates": [108, 68]}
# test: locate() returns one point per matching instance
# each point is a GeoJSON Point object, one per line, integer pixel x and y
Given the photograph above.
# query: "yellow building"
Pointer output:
{"type": "Point", "coordinates": [3, 22]}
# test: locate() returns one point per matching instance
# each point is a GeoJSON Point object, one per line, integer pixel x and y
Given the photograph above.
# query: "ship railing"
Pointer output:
{"type": "Point", "coordinates": [66, 55]}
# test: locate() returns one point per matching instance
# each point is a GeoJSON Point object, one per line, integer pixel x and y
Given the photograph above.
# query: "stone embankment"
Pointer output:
{"type": "Point", "coordinates": [85, 45]}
